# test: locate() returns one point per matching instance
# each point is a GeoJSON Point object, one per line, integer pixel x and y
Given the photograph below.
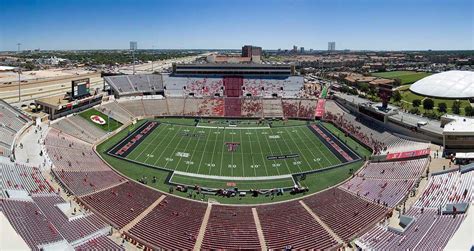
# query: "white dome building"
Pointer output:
{"type": "Point", "coordinates": [449, 84]}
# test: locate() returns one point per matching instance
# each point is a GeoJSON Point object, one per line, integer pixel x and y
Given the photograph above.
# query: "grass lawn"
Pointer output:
{"type": "Point", "coordinates": [408, 97]}
{"type": "Point", "coordinates": [111, 125]}
{"type": "Point", "coordinates": [233, 152]}
{"type": "Point", "coordinates": [354, 145]}
{"type": "Point", "coordinates": [406, 77]}
{"type": "Point", "coordinates": [315, 182]}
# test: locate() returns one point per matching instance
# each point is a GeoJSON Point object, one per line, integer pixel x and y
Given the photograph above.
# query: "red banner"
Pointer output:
{"type": "Point", "coordinates": [320, 108]}
{"type": "Point", "coordinates": [409, 154]}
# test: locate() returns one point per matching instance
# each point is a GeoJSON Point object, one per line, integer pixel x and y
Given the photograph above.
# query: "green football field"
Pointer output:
{"type": "Point", "coordinates": [233, 152]}
{"type": "Point", "coordinates": [406, 77]}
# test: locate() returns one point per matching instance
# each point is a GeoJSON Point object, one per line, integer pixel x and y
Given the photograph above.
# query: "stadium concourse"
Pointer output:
{"type": "Point", "coordinates": [65, 196]}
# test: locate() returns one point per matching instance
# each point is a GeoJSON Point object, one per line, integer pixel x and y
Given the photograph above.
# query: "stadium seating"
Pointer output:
{"type": "Point", "coordinates": [30, 223]}
{"type": "Point", "coordinates": [134, 107]}
{"type": "Point", "coordinates": [290, 108]}
{"type": "Point", "coordinates": [232, 107]}
{"type": "Point", "coordinates": [375, 137]}
{"type": "Point", "coordinates": [22, 177]}
{"type": "Point", "coordinates": [155, 107]}
{"type": "Point", "coordinates": [71, 229]}
{"type": "Point", "coordinates": [231, 228]}
{"type": "Point", "coordinates": [272, 108]}
{"type": "Point", "coordinates": [99, 243]}
{"type": "Point", "coordinates": [346, 214]}
{"type": "Point", "coordinates": [407, 169]}
{"type": "Point", "coordinates": [11, 122]}
{"type": "Point", "coordinates": [252, 107]}
{"type": "Point", "coordinates": [77, 165]}
{"type": "Point", "coordinates": [451, 187]}
{"type": "Point", "coordinates": [116, 112]}
{"type": "Point", "coordinates": [173, 224]}
{"type": "Point", "coordinates": [140, 83]}
{"type": "Point", "coordinates": [121, 204]}
{"type": "Point", "coordinates": [175, 106]}
{"type": "Point", "coordinates": [79, 128]}
{"type": "Point", "coordinates": [289, 223]}
{"type": "Point", "coordinates": [430, 231]}
{"type": "Point", "coordinates": [380, 191]}
{"type": "Point", "coordinates": [177, 86]}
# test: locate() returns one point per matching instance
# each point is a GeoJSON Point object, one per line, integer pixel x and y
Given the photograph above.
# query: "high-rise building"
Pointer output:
{"type": "Point", "coordinates": [302, 50]}
{"type": "Point", "coordinates": [331, 46]}
{"type": "Point", "coordinates": [295, 48]}
{"type": "Point", "coordinates": [252, 52]}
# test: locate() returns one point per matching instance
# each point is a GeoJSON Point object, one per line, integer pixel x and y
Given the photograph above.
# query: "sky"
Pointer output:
{"type": "Point", "coordinates": [229, 24]}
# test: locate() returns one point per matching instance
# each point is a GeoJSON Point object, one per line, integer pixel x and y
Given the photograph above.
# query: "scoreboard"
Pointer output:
{"type": "Point", "coordinates": [80, 88]}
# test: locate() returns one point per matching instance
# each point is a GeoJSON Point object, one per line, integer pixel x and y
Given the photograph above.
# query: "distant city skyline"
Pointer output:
{"type": "Point", "coordinates": [215, 24]}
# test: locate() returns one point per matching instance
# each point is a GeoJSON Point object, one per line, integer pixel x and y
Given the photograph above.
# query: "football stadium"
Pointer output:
{"type": "Point", "coordinates": [223, 156]}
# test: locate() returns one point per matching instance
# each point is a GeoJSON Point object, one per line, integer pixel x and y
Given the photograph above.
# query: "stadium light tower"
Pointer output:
{"type": "Point", "coordinates": [133, 48]}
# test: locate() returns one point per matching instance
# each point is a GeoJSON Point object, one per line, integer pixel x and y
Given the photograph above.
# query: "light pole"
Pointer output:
{"type": "Point", "coordinates": [19, 84]}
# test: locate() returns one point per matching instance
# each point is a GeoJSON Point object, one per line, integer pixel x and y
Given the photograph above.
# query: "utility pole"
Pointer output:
{"type": "Point", "coordinates": [19, 84]}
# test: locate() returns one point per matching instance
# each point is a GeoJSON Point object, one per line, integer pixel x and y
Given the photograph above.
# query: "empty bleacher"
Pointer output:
{"type": "Point", "coordinates": [346, 214]}
{"type": "Point", "coordinates": [289, 223]}
{"type": "Point", "coordinates": [123, 203]}
{"type": "Point", "coordinates": [116, 112]}
{"type": "Point", "coordinates": [22, 177]}
{"type": "Point", "coordinates": [134, 107]}
{"type": "Point", "coordinates": [231, 228]}
{"type": "Point", "coordinates": [173, 224]}
{"type": "Point", "coordinates": [272, 108]}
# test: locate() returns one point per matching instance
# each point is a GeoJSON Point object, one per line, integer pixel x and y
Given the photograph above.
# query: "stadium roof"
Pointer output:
{"type": "Point", "coordinates": [449, 84]}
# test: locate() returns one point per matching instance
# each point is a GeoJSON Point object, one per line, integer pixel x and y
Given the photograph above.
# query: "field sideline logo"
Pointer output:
{"type": "Point", "coordinates": [98, 120]}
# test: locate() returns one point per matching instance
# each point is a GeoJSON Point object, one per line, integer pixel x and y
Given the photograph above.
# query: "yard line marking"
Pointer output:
{"type": "Point", "coordinates": [161, 145]}
{"type": "Point", "coordinates": [251, 151]}
{"type": "Point", "coordinates": [174, 150]}
{"type": "Point", "coordinates": [271, 151]}
{"type": "Point", "coordinates": [261, 154]}
{"type": "Point", "coordinates": [185, 150]}
{"type": "Point", "coordinates": [314, 147]}
{"type": "Point", "coordinates": [166, 147]}
{"type": "Point", "coordinates": [281, 152]}
{"type": "Point", "coordinates": [203, 153]}
{"type": "Point", "coordinates": [222, 153]}
{"type": "Point", "coordinates": [242, 152]}
{"type": "Point", "coordinates": [297, 146]}
{"type": "Point", "coordinates": [319, 149]}
{"type": "Point", "coordinates": [147, 145]}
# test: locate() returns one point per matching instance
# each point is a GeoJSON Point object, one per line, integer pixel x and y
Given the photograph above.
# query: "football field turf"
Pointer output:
{"type": "Point", "coordinates": [237, 152]}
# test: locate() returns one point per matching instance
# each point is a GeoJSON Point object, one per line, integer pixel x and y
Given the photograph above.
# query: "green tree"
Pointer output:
{"type": "Point", "coordinates": [468, 110]}
{"type": "Point", "coordinates": [416, 102]}
{"type": "Point", "coordinates": [364, 87]}
{"type": "Point", "coordinates": [428, 104]}
{"type": "Point", "coordinates": [397, 96]}
{"type": "Point", "coordinates": [456, 108]}
{"type": "Point", "coordinates": [442, 107]}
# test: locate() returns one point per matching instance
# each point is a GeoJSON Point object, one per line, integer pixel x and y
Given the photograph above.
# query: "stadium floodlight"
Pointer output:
{"type": "Point", "coordinates": [133, 48]}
